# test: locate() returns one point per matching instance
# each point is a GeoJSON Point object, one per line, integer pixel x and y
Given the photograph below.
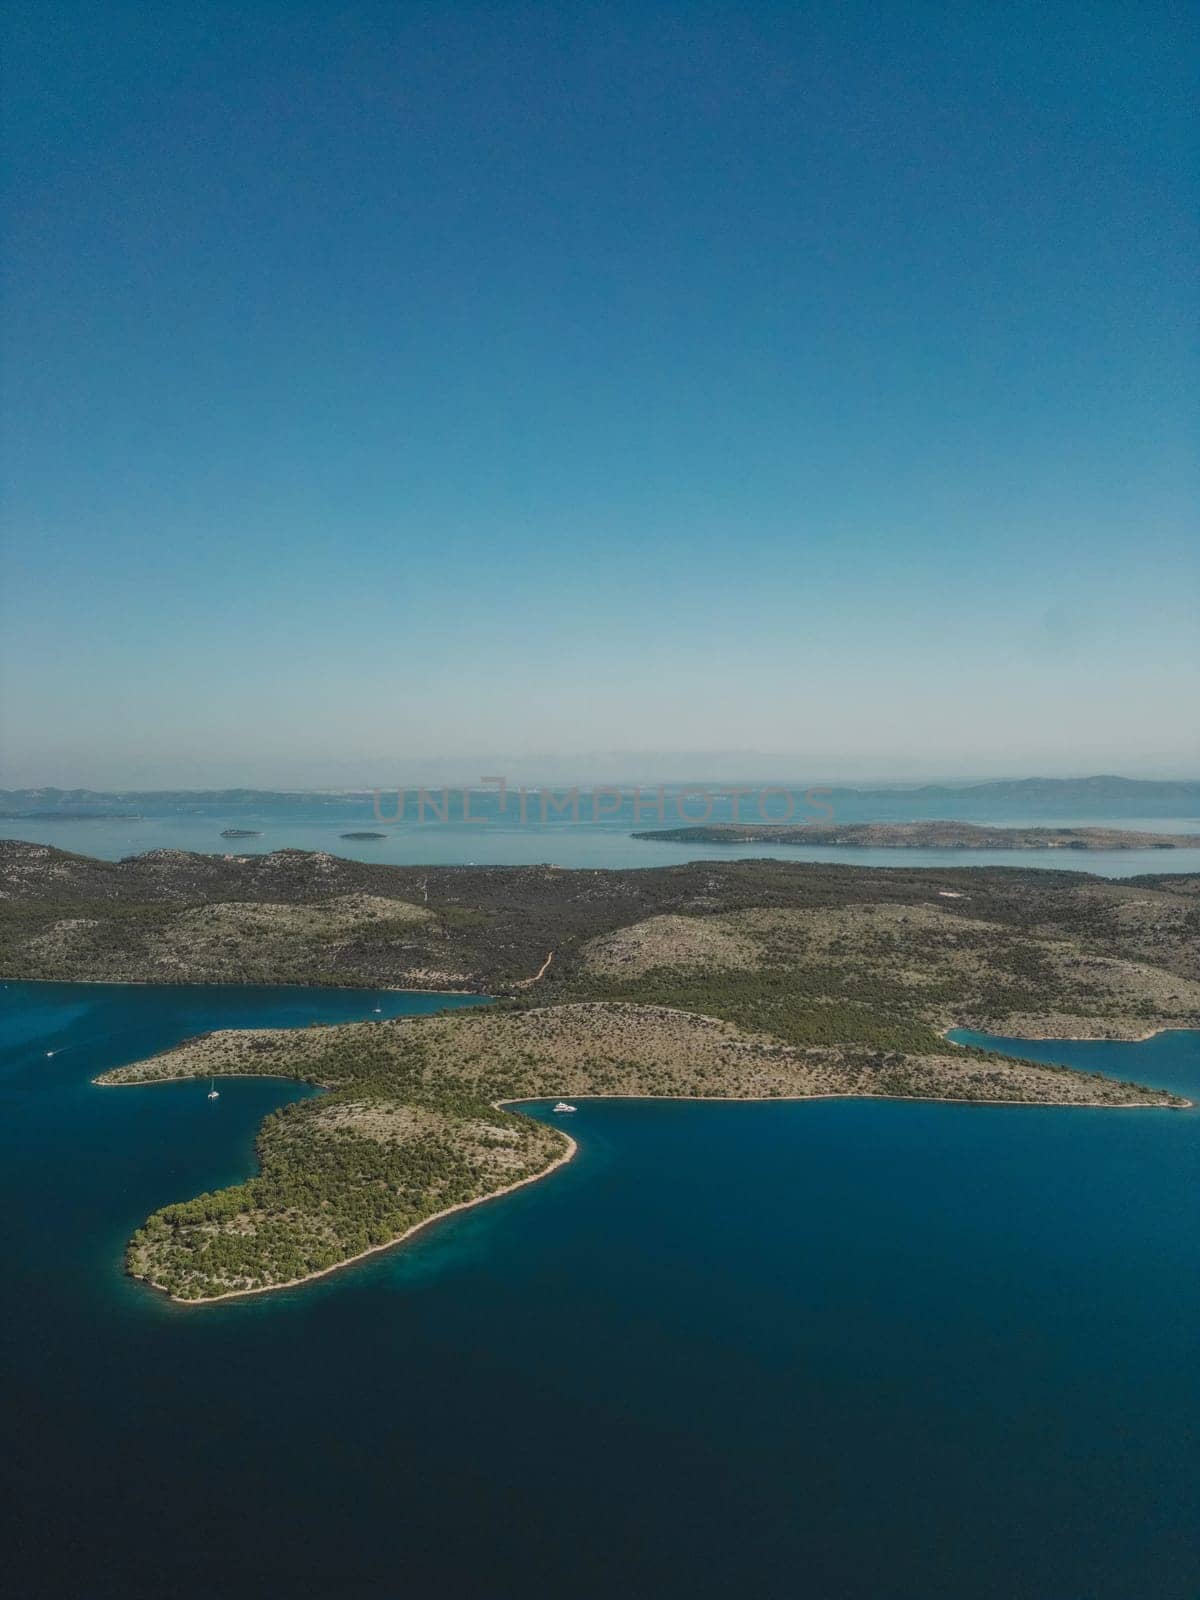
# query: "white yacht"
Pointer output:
{"type": "Point", "coordinates": [563, 1106]}
{"type": "Point", "coordinates": [214, 1093]}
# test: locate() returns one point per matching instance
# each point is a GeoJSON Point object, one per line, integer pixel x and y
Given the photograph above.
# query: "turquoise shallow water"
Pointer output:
{"type": "Point", "coordinates": [837, 1350]}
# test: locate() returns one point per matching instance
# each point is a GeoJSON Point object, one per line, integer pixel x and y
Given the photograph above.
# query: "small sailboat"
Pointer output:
{"type": "Point", "coordinates": [563, 1106]}
{"type": "Point", "coordinates": [213, 1092]}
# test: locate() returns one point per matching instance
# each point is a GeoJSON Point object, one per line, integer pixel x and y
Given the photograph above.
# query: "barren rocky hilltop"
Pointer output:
{"type": "Point", "coordinates": [745, 979]}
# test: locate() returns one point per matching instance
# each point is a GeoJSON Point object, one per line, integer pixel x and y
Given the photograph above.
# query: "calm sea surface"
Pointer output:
{"type": "Point", "coordinates": [498, 838]}
{"type": "Point", "coordinates": [846, 1349]}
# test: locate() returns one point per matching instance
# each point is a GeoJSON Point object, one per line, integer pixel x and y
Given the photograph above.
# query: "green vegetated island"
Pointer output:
{"type": "Point", "coordinates": [740, 979]}
{"type": "Point", "coordinates": [920, 836]}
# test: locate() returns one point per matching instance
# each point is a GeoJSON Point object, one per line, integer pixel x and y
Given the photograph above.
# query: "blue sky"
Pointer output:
{"type": "Point", "coordinates": [389, 380]}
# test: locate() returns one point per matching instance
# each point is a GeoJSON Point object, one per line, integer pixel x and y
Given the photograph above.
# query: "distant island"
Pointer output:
{"type": "Point", "coordinates": [363, 835]}
{"type": "Point", "coordinates": [919, 835]}
{"type": "Point", "coordinates": [742, 980]}
{"type": "Point", "coordinates": [241, 833]}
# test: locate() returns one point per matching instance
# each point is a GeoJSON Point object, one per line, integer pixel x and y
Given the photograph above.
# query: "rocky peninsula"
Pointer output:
{"type": "Point", "coordinates": [743, 980]}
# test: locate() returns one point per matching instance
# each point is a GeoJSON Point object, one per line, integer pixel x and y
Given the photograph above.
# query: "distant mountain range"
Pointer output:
{"type": "Point", "coordinates": [51, 802]}
{"type": "Point", "coordinates": [1054, 791]}
{"type": "Point", "coordinates": [1027, 793]}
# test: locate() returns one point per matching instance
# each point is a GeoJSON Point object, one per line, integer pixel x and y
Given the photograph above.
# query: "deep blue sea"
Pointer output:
{"type": "Point", "coordinates": [836, 1351]}
{"type": "Point", "coordinates": [593, 831]}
